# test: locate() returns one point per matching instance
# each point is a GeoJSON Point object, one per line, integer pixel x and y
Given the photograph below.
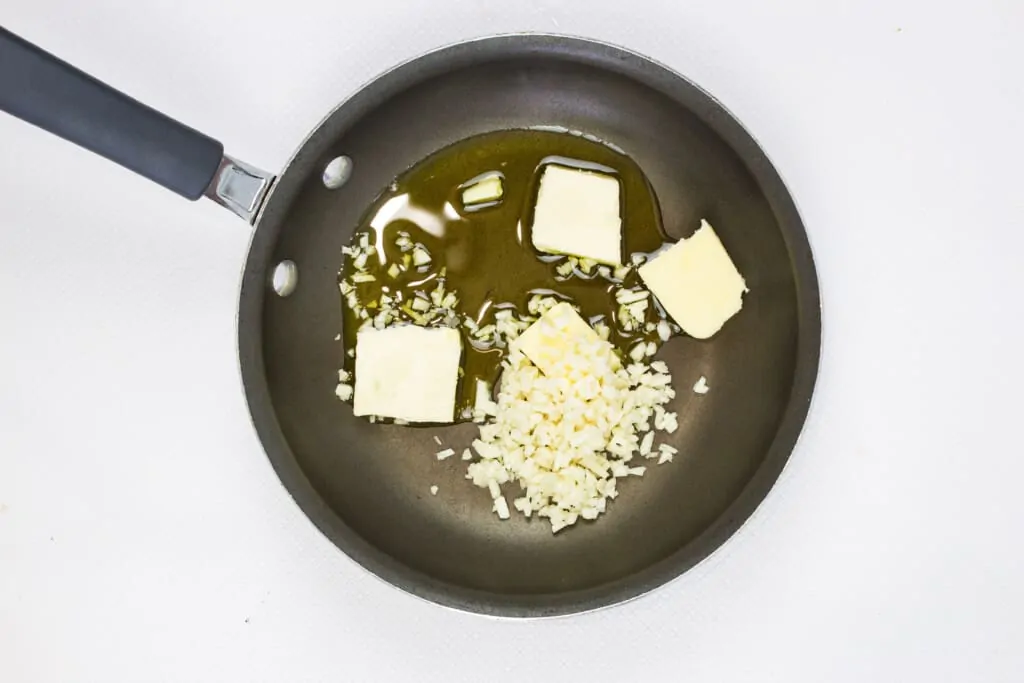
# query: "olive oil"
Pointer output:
{"type": "Point", "coordinates": [484, 253]}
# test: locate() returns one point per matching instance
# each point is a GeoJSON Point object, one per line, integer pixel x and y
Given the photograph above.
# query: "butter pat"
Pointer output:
{"type": "Point", "coordinates": [697, 283]}
{"type": "Point", "coordinates": [486, 189]}
{"type": "Point", "coordinates": [577, 213]}
{"type": "Point", "coordinates": [559, 332]}
{"type": "Point", "coordinates": [409, 373]}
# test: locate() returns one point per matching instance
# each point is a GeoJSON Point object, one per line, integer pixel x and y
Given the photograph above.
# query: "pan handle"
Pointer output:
{"type": "Point", "coordinates": [49, 93]}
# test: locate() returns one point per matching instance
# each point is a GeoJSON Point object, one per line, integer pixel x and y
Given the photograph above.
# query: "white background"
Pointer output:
{"type": "Point", "coordinates": [144, 537]}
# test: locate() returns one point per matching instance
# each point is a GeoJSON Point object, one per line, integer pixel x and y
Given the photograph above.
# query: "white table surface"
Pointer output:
{"type": "Point", "coordinates": [144, 536]}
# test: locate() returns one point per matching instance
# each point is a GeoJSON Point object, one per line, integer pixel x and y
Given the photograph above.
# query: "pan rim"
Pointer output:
{"type": "Point", "coordinates": [254, 286]}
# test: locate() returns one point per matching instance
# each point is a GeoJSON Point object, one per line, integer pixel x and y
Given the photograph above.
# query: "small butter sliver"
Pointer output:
{"type": "Point", "coordinates": [485, 190]}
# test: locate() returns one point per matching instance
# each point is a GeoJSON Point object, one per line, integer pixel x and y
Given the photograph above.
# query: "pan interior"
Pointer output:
{"type": "Point", "coordinates": [368, 486]}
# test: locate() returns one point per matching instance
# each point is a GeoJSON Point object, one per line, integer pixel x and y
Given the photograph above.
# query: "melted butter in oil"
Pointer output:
{"type": "Point", "coordinates": [487, 252]}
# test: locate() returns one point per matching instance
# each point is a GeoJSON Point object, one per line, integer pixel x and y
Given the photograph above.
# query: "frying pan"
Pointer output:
{"type": "Point", "coordinates": [366, 486]}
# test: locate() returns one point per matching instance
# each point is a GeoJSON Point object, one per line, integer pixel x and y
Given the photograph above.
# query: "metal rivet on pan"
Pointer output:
{"type": "Point", "coordinates": [337, 172]}
{"type": "Point", "coordinates": [285, 278]}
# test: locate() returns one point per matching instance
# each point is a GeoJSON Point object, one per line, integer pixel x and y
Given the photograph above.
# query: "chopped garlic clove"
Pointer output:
{"type": "Point", "coordinates": [420, 256]}
{"type": "Point", "coordinates": [645, 445]}
{"type": "Point", "coordinates": [501, 507]}
{"type": "Point", "coordinates": [565, 268]}
{"type": "Point", "coordinates": [628, 296]}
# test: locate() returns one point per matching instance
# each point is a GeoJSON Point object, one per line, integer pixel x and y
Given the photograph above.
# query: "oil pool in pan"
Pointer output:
{"type": "Point", "coordinates": [486, 252]}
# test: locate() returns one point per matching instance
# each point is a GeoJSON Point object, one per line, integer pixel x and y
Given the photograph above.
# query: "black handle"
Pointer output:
{"type": "Point", "coordinates": [42, 90]}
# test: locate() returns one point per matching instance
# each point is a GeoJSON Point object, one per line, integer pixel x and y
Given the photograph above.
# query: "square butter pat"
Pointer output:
{"type": "Point", "coordinates": [408, 372]}
{"type": "Point", "coordinates": [696, 282]}
{"type": "Point", "coordinates": [559, 332]}
{"type": "Point", "coordinates": [577, 213]}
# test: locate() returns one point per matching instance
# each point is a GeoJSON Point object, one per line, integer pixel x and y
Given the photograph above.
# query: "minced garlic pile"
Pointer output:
{"type": "Point", "coordinates": [566, 434]}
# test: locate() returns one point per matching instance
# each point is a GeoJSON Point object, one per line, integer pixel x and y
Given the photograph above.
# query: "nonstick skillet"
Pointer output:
{"type": "Point", "coordinates": [365, 485]}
